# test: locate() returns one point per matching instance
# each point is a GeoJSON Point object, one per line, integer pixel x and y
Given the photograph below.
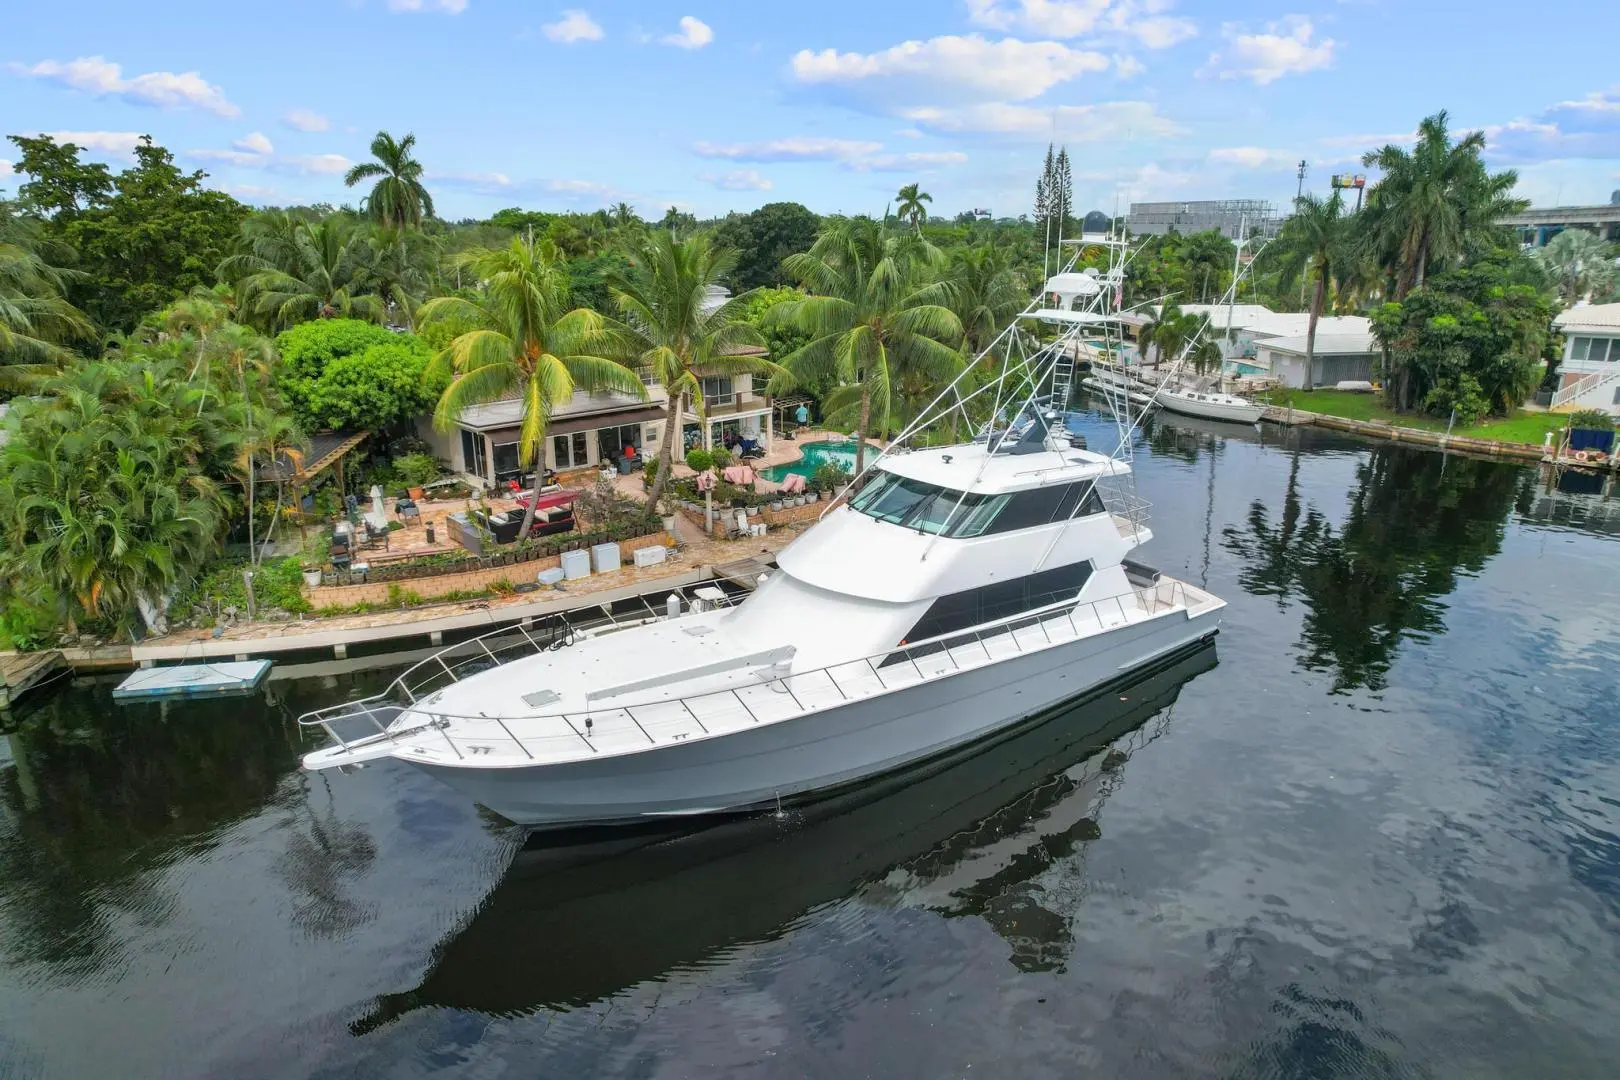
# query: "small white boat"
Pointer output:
{"type": "Point", "coordinates": [1211, 405]}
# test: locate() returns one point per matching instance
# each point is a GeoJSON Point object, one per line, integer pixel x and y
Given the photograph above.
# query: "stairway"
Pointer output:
{"type": "Point", "coordinates": [1567, 399]}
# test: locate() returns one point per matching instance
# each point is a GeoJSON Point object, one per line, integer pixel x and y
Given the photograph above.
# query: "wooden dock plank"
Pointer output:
{"type": "Point", "coordinates": [22, 672]}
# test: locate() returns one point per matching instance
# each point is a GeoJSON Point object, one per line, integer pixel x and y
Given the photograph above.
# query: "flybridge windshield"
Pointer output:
{"type": "Point", "coordinates": [933, 509]}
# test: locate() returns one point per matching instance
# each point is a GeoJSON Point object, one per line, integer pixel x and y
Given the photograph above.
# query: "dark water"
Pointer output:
{"type": "Point", "coordinates": [1374, 833]}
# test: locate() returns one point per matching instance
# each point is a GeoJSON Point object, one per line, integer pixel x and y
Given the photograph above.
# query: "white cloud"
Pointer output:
{"type": "Point", "coordinates": [118, 143]}
{"type": "Point", "coordinates": [916, 162]}
{"type": "Point", "coordinates": [1284, 49]}
{"type": "Point", "coordinates": [968, 66]}
{"type": "Point", "coordinates": [314, 164]}
{"type": "Point", "coordinates": [738, 180]}
{"type": "Point", "coordinates": [1066, 123]}
{"type": "Point", "coordinates": [253, 193]}
{"type": "Point", "coordinates": [790, 149]}
{"type": "Point", "coordinates": [1128, 67]}
{"type": "Point", "coordinates": [230, 157]}
{"type": "Point", "coordinates": [694, 34]}
{"type": "Point", "coordinates": [99, 77]}
{"type": "Point", "coordinates": [1147, 182]}
{"type": "Point", "coordinates": [574, 26]}
{"type": "Point", "coordinates": [305, 120]}
{"type": "Point", "coordinates": [254, 143]}
{"type": "Point", "coordinates": [1143, 22]}
{"type": "Point", "coordinates": [1253, 157]}
{"type": "Point", "coordinates": [449, 7]}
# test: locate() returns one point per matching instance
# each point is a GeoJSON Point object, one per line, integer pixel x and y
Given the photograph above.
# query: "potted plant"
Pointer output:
{"type": "Point", "coordinates": [312, 575]}
{"type": "Point", "coordinates": [416, 471]}
{"type": "Point", "coordinates": [1591, 429]}
{"type": "Point", "coordinates": [776, 505]}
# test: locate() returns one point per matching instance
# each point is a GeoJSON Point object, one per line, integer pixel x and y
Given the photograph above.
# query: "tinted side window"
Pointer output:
{"type": "Point", "coordinates": [1042, 506]}
{"type": "Point", "coordinates": [1004, 599]}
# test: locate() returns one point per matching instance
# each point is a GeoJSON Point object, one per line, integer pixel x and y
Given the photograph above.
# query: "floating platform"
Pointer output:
{"type": "Point", "coordinates": [194, 680]}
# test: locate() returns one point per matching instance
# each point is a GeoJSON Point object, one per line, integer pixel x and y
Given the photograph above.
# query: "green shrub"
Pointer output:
{"type": "Point", "coordinates": [698, 459]}
{"type": "Point", "coordinates": [415, 470]}
{"type": "Point", "coordinates": [721, 457]}
{"type": "Point", "coordinates": [346, 374]}
{"type": "Point", "coordinates": [279, 583]}
{"type": "Point", "coordinates": [829, 477]}
{"type": "Point", "coordinates": [1591, 420]}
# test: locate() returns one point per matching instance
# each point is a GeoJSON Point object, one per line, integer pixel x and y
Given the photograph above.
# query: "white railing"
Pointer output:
{"type": "Point", "coordinates": [771, 698]}
{"type": "Point", "coordinates": [1584, 384]}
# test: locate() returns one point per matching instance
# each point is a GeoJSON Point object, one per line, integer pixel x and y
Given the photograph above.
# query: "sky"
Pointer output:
{"type": "Point", "coordinates": [719, 105]}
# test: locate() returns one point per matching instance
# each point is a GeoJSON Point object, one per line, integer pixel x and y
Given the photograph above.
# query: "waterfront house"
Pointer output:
{"type": "Point", "coordinates": [594, 429]}
{"type": "Point", "coordinates": [1589, 377]}
{"type": "Point", "coordinates": [1271, 344]}
{"type": "Point", "coordinates": [1337, 357]}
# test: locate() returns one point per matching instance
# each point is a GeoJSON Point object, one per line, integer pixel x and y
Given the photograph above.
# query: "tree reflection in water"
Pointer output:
{"type": "Point", "coordinates": [1416, 520]}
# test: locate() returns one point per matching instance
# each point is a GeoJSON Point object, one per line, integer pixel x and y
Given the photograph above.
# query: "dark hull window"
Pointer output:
{"type": "Point", "coordinates": [1002, 600]}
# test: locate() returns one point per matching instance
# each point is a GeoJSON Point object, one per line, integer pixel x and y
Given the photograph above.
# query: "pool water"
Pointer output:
{"type": "Point", "coordinates": [815, 456]}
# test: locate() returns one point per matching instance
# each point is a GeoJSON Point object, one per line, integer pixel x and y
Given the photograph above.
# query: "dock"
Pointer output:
{"type": "Point", "coordinates": [214, 679]}
{"type": "Point", "coordinates": [22, 672]}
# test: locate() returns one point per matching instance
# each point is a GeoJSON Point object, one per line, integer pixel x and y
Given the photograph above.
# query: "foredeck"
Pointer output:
{"type": "Point", "coordinates": [769, 693]}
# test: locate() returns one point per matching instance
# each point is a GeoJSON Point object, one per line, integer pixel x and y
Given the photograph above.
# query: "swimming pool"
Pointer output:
{"type": "Point", "coordinates": [816, 455]}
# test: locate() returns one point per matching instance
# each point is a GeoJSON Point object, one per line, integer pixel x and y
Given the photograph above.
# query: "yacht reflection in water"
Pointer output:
{"type": "Point", "coordinates": [572, 924]}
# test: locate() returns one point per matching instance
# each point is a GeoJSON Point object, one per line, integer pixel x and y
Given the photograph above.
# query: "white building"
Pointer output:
{"type": "Point", "coordinates": [1590, 372]}
{"type": "Point", "coordinates": [1336, 358]}
{"type": "Point", "coordinates": [1258, 341]}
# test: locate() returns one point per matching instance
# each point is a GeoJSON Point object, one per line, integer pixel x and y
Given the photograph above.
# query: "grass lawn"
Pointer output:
{"type": "Point", "coordinates": [1522, 427]}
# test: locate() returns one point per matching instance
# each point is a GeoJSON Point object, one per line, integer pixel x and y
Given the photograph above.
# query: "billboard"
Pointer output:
{"type": "Point", "coordinates": [1349, 180]}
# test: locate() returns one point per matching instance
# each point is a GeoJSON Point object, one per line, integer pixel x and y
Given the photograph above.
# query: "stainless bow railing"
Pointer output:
{"type": "Point", "coordinates": [848, 680]}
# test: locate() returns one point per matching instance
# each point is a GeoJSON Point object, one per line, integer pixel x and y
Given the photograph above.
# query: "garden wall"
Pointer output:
{"type": "Point", "coordinates": [774, 518]}
{"type": "Point", "coordinates": [468, 581]}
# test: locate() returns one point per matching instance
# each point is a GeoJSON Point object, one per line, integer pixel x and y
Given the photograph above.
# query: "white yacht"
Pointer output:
{"type": "Point", "coordinates": [1211, 405]}
{"type": "Point", "coordinates": [960, 590]}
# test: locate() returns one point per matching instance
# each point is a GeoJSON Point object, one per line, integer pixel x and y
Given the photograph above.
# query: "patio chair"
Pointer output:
{"type": "Point", "coordinates": [374, 536]}
{"type": "Point", "coordinates": [408, 510]}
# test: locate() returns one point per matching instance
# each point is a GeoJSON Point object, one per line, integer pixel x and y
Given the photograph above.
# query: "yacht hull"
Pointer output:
{"type": "Point", "coordinates": [1213, 410]}
{"type": "Point", "coordinates": [792, 760]}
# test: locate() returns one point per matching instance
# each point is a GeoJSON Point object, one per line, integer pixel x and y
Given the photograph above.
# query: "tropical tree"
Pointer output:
{"type": "Point", "coordinates": [910, 205]}
{"type": "Point", "coordinates": [526, 343]}
{"type": "Point", "coordinates": [1434, 201]}
{"type": "Point", "coordinates": [1313, 242]}
{"type": "Point", "coordinates": [986, 292]}
{"type": "Point", "coordinates": [1165, 333]}
{"type": "Point", "coordinates": [1581, 266]}
{"type": "Point", "coordinates": [399, 266]}
{"type": "Point", "coordinates": [398, 199]}
{"type": "Point", "coordinates": [294, 271]}
{"type": "Point", "coordinates": [876, 310]}
{"type": "Point", "coordinates": [107, 504]}
{"type": "Point", "coordinates": [36, 320]}
{"type": "Point", "coordinates": [677, 337]}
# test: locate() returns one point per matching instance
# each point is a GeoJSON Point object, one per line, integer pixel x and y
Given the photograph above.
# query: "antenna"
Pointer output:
{"type": "Point", "coordinates": [1304, 167]}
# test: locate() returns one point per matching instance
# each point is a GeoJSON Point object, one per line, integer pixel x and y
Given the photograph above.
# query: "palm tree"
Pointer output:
{"type": "Point", "coordinates": [911, 208]}
{"type": "Point", "coordinates": [986, 292]}
{"type": "Point", "coordinates": [398, 198]}
{"type": "Point", "coordinates": [1434, 200]}
{"type": "Point", "coordinates": [295, 271]}
{"type": "Point", "coordinates": [526, 343]}
{"type": "Point", "coordinates": [1165, 333]}
{"type": "Point", "coordinates": [676, 337]}
{"type": "Point", "coordinates": [36, 320]}
{"type": "Point", "coordinates": [1314, 241]}
{"type": "Point", "coordinates": [399, 265]}
{"type": "Point", "coordinates": [1580, 265]}
{"type": "Point", "coordinates": [875, 311]}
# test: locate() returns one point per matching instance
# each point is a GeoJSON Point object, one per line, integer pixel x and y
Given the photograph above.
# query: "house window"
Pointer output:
{"type": "Point", "coordinates": [570, 450]}
{"type": "Point", "coordinates": [472, 454]}
{"type": "Point", "coordinates": [717, 390]}
{"type": "Point", "coordinates": [505, 458]}
{"type": "Point", "coordinates": [611, 441]}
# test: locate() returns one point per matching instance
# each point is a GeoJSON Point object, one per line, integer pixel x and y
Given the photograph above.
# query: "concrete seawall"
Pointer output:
{"type": "Point", "coordinates": [1418, 436]}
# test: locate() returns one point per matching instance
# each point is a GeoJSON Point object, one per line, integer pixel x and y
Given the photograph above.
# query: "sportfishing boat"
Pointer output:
{"type": "Point", "coordinates": [958, 591]}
